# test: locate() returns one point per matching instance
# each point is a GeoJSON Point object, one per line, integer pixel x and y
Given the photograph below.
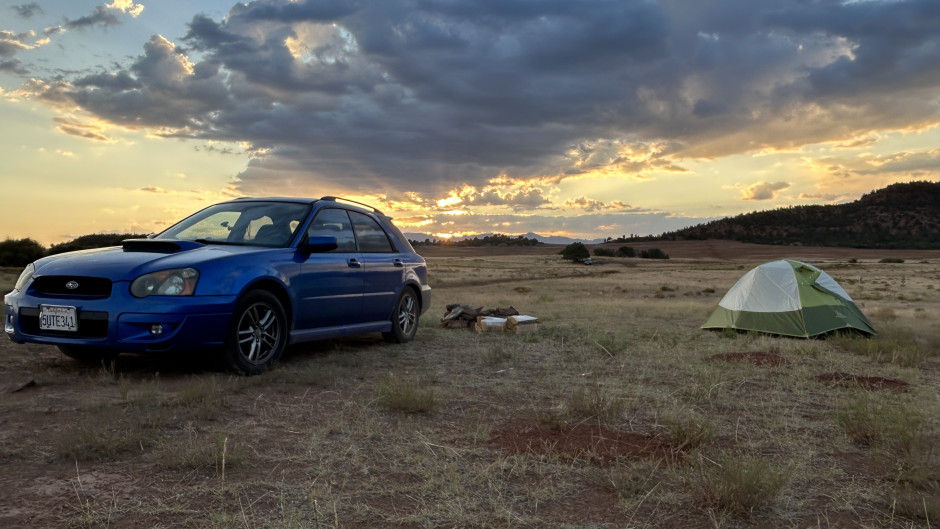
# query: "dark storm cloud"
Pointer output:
{"type": "Point", "coordinates": [425, 95]}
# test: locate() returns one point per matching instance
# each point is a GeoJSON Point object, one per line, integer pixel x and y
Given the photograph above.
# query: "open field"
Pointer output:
{"type": "Point", "coordinates": [618, 412]}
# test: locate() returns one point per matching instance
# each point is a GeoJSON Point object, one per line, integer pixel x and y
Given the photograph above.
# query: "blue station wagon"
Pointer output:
{"type": "Point", "coordinates": [242, 279]}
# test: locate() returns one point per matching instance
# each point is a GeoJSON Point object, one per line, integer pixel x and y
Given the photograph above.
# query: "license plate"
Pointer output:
{"type": "Point", "coordinates": [58, 318]}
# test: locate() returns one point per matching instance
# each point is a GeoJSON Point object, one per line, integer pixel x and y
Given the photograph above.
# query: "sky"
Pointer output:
{"type": "Point", "coordinates": [578, 118]}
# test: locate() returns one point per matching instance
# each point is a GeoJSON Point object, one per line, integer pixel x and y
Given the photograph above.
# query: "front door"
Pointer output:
{"type": "Point", "coordinates": [331, 283]}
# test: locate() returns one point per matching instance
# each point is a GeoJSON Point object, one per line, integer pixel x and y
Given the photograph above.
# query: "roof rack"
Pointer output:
{"type": "Point", "coordinates": [334, 199]}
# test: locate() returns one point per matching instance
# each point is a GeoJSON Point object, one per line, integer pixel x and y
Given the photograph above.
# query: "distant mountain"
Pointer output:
{"type": "Point", "coordinates": [898, 216]}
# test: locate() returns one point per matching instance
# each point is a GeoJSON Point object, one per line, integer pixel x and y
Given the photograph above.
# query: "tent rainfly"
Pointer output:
{"type": "Point", "coordinates": [788, 298]}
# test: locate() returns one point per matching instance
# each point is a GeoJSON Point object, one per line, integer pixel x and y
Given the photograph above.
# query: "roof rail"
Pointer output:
{"type": "Point", "coordinates": [367, 206]}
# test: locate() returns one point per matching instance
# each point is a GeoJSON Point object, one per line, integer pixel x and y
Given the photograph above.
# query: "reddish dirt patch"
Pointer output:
{"type": "Point", "coordinates": [598, 445]}
{"type": "Point", "coordinates": [756, 358]}
{"type": "Point", "coordinates": [848, 379]}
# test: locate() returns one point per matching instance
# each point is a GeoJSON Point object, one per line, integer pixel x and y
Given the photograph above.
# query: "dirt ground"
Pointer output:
{"type": "Point", "coordinates": [578, 425]}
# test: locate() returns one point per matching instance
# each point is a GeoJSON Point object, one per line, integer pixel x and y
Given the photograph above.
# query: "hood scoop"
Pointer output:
{"type": "Point", "coordinates": [158, 245]}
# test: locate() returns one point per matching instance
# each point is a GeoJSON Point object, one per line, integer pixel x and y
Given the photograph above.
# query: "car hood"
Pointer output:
{"type": "Point", "coordinates": [136, 257]}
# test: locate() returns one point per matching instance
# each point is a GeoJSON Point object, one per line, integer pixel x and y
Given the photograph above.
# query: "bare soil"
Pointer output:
{"type": "Point", "coordinates": [862, 381]}
{"type": "Point", "coordinates": [582, 442]}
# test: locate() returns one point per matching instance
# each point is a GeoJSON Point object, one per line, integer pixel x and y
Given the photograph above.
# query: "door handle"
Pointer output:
{"type": "Point", "coordinates": [353, 263]}
{"type": "Point", "coordinates": [398, 263]}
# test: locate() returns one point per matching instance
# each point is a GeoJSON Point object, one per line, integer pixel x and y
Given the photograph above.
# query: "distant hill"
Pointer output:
{"type": "Point", "coordinates": [898, 216]}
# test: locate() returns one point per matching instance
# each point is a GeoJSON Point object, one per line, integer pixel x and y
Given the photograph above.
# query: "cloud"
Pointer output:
{"type": "Point", "coordinates": [594, 205]}
{"type": "Point", "coordinates": [763, 190]}
{"type": "Point", "coordinates": [82, 130]}
{"type": "Point", "coordinates": [919, 164]}
{"type": "Point", "coordinates": [127, 7]}
{"type": "Point", "coordinates": [101, 17]}
{"type": "Point", "coordinates": [428, 97]}
{"type": "Point", "coordinates": [27, 10]}
{"type": "Point", "coordinates": [613, 224]}
{"type": "Point", "coordinates": [13, 66]}
{"type": "Point", "coordinates": [11, 43]}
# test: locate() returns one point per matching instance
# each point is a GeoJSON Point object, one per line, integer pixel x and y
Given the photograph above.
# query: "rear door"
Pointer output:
{"type": "Point", "coordinates": [331, 283]}
{"type": "Point", "coordinates": [382, 268]}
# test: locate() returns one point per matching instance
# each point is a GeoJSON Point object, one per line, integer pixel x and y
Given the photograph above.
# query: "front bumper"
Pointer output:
{"type": "Point", "coordinates": [124, 323]}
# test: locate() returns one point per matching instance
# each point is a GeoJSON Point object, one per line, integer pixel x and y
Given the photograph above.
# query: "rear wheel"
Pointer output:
{"type": "Point", "coordinates": [88, 355]}
{"type": "Point", "coordinates": [404, 318]}
{"type": "Point", "coordinates": [257, 334]}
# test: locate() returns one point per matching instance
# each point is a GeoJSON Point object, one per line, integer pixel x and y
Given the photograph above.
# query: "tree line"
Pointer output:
{"type": "Point", "coordinates": [21, 252]}
{"type": "Point", "coordinates": [496, 239]}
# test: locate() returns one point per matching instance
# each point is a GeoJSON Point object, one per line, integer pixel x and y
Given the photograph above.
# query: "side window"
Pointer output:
{"type": "Point", "coordinates": [334, 223]}
{"type": "Point", "coordinates": [371, 236]}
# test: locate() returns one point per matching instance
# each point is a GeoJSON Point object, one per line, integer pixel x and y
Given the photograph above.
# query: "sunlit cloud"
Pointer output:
{"type": "Point", "coordinates": [127, 7]}
{"type": "Point", "coordinates": [763, 190]}
{"type": "Point", "coordinates": [594, 205]}
{"type": "Point", "coordinates": [85, 130]}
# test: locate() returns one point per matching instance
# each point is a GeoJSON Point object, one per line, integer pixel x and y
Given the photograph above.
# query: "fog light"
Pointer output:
{"type": "Point", "coordinates": [156, 329]}
{"type": "Point", "coordinates": [8, 326]}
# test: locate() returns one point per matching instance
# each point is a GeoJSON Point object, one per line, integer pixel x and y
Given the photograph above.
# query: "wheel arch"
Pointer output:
{"type": "Point", "coordinates": [279, 291]}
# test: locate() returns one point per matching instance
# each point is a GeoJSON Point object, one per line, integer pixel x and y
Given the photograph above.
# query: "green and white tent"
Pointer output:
{"type": "Point", "coordinates": [789, 298]}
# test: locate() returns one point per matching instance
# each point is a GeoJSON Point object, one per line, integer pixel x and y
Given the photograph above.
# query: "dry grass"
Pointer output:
{"type": "Point", "coordinates": [360, 433]}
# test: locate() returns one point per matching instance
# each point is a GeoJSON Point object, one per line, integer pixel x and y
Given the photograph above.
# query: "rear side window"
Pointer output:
{"type": "Point", "coordinates": [334, 223]}
{"type": "Point", "coordinates": [371, 236]}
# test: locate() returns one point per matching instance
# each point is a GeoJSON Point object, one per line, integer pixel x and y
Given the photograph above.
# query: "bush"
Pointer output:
{"type": "Point", "coordinates": [604, 252]}
{"type": "Point", "coordinates": [654, 253]}
{"type": "Point", "coordinates": [96, 240]}
{"type": "Point", "coordinates": [626, 251]}
{"type": "Point", "coordinates": [575, 252]}
{"type": "Point", "coordinates": [20, 252]}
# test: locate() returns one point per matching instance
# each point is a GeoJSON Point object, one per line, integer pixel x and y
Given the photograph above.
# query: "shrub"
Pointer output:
{"type": "Point", "coordinates": [575, 252]}
{"type": "Point", "coordinates": [653, 253]}
{"type": "Point", "coordinates": [626, 251]}
{"type": "Point", "coordinates": [20, 252]}
{"type": "Point", "coordinates": [96, 240]}
{"type": "Point", "coordinates": [604, 252]}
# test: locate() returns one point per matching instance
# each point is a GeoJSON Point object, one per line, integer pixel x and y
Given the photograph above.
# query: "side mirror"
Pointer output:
{"type": "Point", "coordinates": [320, 244]}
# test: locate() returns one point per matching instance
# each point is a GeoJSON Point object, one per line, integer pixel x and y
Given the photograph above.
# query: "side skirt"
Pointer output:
{"type": "Point", "coordinates": [338, 331]}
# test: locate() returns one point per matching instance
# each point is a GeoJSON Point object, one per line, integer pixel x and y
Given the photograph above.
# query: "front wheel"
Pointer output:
{"type": "Point", "coordinates": [257, 334]}
{"type": "Point", "coordinates": [404, 318]}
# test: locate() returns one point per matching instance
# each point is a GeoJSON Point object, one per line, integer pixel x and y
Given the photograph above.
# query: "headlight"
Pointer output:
{"type": "Point", "coordinates": [176, 282]}
{"type": "Point", "coordinates": [25, 277]}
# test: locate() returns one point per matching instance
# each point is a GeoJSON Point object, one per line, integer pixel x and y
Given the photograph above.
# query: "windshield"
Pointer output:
{"type": "Point", "coordinates": [249, 223]}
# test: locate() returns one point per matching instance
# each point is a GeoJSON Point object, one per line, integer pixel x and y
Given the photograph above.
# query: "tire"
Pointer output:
{"type": "Point", "coordinates": [88, 355]}
{"type": "Point", "coordinates": [404, 318]}
{"type": "Point", "coordinates": [257, 334]}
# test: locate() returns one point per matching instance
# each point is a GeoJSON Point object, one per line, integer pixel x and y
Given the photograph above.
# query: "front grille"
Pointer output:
{"type": "Point", "coordinates": [89, 287]}
{"type": "Point", "coordinates": [91, 324]}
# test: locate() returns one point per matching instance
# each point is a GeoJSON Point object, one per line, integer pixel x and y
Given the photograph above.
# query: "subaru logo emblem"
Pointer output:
{"type": "Point", "coordinates": [71, 285]}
